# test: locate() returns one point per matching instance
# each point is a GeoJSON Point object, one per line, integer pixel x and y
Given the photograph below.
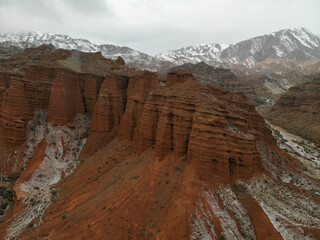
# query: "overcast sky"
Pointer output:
{"type": "Point", "coordinates": [154, 26]}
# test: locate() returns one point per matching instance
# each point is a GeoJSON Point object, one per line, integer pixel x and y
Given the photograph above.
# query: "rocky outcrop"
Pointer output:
{"type": "Point", "coordinates": [65, 98]}
{"type": "Point", "coordinates": [110, 105]}
{"type": "Point", "coordinates": [222, 77]}
{"type": "Point", "coordinates": [298, 110]}
{"type": "Point", "coordinates": [25, 96]}
{"type": "Point", "coordinates": [178, 76]}
{"type": "Point", "coordinates": [90, 86]}
{"type": "Point", "coordinates": [139, 86]}
{"type": "Point", "coordinates": [16, 112]}
{"type": "Point", "coordinates": [5, 79]}
{"type": "Point", "coordinates": [62, 92]}
{"type": "Point", "coordinates": [120, 61]}
{"type": "Point", "coordinates": [201, 122]}
{"type": "Point", "coordinates": [32, 56]}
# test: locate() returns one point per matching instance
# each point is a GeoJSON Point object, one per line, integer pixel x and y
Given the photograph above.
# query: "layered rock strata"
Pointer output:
{"type": "Point", "coordinates": [62, 92]}
{"type": "Point", "coordinates": [110, 105]}
{"type": "Point", "coordinates": [139, 86]}
{"type": "Point", "coordinates": [298, 110]}
{"type": "Point", "coordinates": [202, 122]}
{"type": "Point", "coordinates": [224, 78]}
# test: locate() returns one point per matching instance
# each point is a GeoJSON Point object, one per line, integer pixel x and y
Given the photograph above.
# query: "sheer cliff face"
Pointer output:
{"type": "Point", "coordinates": [63, 93]}
{"type": "Point", "coordinates": [110, 105]}
{"type": "Point", "coordinates": [200, 122]}
{"type": "Point", "coordinates": [184, 118]}
{"type": "Point", "coordinates": [121, 155]}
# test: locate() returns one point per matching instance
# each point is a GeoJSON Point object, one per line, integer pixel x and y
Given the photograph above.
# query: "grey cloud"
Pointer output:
{"type": "Point", "coordinates": [89, 6]}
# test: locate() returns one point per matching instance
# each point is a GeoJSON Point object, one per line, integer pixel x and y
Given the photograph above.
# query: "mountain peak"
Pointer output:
{"type": "Point", "coordinates": [297, 44]}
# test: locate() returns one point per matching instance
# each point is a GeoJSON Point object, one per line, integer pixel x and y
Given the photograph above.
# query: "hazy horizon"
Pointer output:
{"type": "Point", "coordinates": [154, 26]}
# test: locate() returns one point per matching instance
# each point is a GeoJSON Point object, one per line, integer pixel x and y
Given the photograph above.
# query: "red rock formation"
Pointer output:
{"type": "Point", "coordinates": [140, 84]}
{"type": "Point", "coordinates": [203, 136]}
{"type": "Point", "coordinates": [176, 77]}
{"type": "Point", "coordinates": [120, 61]}
{"type": "Point", "coordinates": [15, 112]}
{"type": "Point", "coordinates": [203, 122]}
{"type": "Point", "coordinates": [65, 98]}
{"type": "Point", "coordinates": [4, 85]}
{"type": "Point", "coordinates": [90, 87]}
{"type": "Point", "coordinates": [38, 81]}
{"type": "Point", "coordinates": [167, 165]}
{"type": "Point", "coordinates": [62, 92]}
{"type": "Point", "coordinates": [110, 105]}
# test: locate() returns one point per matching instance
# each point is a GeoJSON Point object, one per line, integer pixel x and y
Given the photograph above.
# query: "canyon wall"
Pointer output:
{"type": "Point", "coordinates": [298, 110]}
{"type": "Point", "coordinates": [61, 92]}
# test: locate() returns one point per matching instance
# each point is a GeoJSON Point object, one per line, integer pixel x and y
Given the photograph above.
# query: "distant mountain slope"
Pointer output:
{"type": "Point", "coordinates": [298, 110]}
{"type": "Point", "coordinates": [35, 39]}
{"type": "Point", "coordinates": [15, 41]}
{"type": "Point", "coordinates": [298, 44]}
{"type": "Point", "coordinates": [209, 53]}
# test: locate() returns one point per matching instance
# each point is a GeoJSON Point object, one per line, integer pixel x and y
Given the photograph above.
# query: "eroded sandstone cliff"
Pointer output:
{"type": "Point", "coordinates": [105, 152]}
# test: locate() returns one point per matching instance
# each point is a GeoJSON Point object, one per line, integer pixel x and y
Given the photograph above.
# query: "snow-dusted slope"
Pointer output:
{"type": "Point", "coordinates": [194, 54]}
{"type": "Point", "coordinates": [298, 44]}
{"type": "Point", "coordinates": [35, 39]}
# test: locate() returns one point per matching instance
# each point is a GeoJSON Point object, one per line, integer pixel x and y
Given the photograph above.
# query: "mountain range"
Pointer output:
{"type": "Point", "coordinates": [297, 44]}
{"type": "Point", "coordinates": [11, 43]}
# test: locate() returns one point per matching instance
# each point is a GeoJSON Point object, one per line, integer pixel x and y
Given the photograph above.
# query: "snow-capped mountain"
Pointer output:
{"type": "Point", "coordinates": [209, 53]}
{"type": "Point", "coordinates": [34, 39]}
{"type": "Point", "coordinates": [298, 44]}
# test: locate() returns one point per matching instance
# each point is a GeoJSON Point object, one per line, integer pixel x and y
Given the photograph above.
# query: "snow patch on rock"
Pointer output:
{"type": "Point", "coordinates": [223, 203]}
{"type": "Point", "coordinates": [61, 159]}
{"type": "Point", "coordinates": [287, 207]}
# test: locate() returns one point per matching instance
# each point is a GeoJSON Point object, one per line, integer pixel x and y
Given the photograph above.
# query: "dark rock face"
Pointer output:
{"type": "Point", "coordinates": [5, 79]}
{"type": "Point", "coordinates": [221, 77]}
{"type": "Point", "coordinates": [120, 61]}
{"type": "Point", "coordinates": [298, 110]}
